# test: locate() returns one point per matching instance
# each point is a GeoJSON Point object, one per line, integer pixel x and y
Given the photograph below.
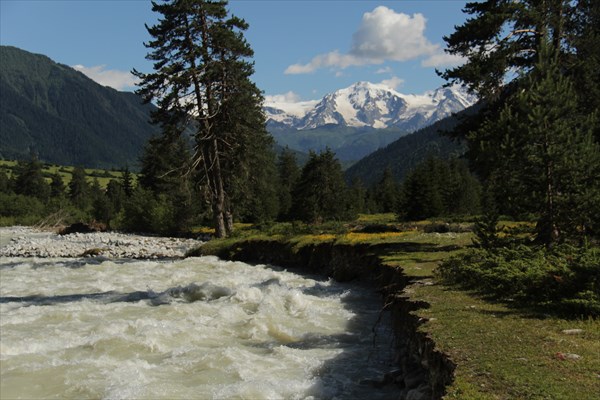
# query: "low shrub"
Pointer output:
{"type": "Point", "coordinates": [20, 209]}
{"type": "Point", "coordinates": [564, 279]}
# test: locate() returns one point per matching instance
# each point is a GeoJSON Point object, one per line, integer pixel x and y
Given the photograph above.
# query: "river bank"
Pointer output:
{"type": "Point", "coordinates": [28, 242]}
{"type": "Point", "coordinates": [463, 345]}
{"type": "Point", "coordinates": [423, 372]}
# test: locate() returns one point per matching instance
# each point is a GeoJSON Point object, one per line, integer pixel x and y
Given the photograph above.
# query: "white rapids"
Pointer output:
{"type": "Point", "coordinates": [198, 328]}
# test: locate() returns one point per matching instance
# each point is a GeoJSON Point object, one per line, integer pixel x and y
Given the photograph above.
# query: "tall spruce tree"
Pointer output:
{"type": "Point", "coordinates": [5, 182]}
{"type": "Point", "coordinates": [386, 192]}
{"type": "Point", "coordinates": [202, 73]}
{"type": "Point", "coordinates": [57, 185]}
{"type": "Point", "coordinates": [288, 171]}
{"type": "Point", "coordinates": [437, 188]}
{"type": "Point", "coordinates": [546, 156]}
{"type": "Point", "coordinates": [249, 162]}
{"type": "Point", "coordinates": [584, 68]}
{"type": "Point", "coordinates": [533, 141]}
{"type": "Point", "coordinates": [166, 172]}
{"type": "Point", "coordinates": [165, 163]}
{"type": "Point", "coordinates": [422, 192]}
{"type": "Point", "coordinates": [357, 195]}
{"type": "Point", "coordinates": [127, 181]}
{"type": "Point", "coordinates": [321, 193]}
{"type": "Point", "coordinates": [79, 189]}
{"type": "Point", "coordinates": [29, 180]}
{"type": "Point", "coordinates": [502, 38]}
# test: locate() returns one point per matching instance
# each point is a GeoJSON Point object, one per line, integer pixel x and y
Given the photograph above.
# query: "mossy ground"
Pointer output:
{"type": "Point", "coordinates": [501, 351]}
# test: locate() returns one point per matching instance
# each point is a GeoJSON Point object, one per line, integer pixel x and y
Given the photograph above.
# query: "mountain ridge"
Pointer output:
{"type": "Point", "coordinates": [59, 114]}
{"type": "Point", "coordinates": [366, 104]}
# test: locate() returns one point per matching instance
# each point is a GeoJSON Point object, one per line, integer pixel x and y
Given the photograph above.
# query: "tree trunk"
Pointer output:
{"type": "Point", "coordinates": [208, 143]}
{"type": "Point", "coordinates": [548, 231]}
{"type": "Point", "coordinates": [218, 192]}
{"type": "Point", "coordinates": [218, 221]}
{"type": "Point", "coordinates": [229, 222]}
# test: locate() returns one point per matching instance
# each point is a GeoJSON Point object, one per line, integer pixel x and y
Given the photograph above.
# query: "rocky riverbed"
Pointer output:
{"type": "Point", "coordinates": [28, 242]}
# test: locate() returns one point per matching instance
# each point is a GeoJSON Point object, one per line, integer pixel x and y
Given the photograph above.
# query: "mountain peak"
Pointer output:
{"type": "Point", "coordinates": [367, 104]}
{"type": "Point", "coordinates": [368, 85]}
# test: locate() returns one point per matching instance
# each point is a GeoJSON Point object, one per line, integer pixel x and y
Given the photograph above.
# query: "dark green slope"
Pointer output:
{"type": "Point", "coordinates": [408, 151]}
{"type": "Point", "coordinates": [349, 144]}
{"type": "Point", "coordinates": [64, 117]}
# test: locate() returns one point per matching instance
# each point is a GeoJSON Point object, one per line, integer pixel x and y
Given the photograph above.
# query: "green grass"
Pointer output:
{"type": "Point", "coordinates": [501, 352]}
{"type": "Point", "coordinates": [103, 176]}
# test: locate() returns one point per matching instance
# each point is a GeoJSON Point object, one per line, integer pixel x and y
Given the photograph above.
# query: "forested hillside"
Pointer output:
{"type": "Point", "coordinates": [349, 143]}
{"type": "Point", "coordinates": [407, 152]}
{"type": "Point", "coordinates": [64, 117]}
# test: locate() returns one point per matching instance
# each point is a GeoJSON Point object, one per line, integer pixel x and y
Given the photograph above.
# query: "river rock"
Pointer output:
{"type": "Point", "coordinates": [572, 331]}
{"type": "Point", "coordinates": [415, 378]}
{"type": "Point", "coordinates": [423, 392]}
{"type": "Point", "coordinates": [105, 244]}
{"type": "Point", "coordinates": [80, 227]}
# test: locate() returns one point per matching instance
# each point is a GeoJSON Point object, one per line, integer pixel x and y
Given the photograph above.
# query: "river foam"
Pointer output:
{"type": "Point", "coordinates": [193, 328]}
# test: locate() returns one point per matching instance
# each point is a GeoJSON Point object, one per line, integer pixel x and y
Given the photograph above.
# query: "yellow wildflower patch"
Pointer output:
{"type": "Point", "coordinates": [355, 237]}
{"type": "Point", "coordinates": [323, 237]}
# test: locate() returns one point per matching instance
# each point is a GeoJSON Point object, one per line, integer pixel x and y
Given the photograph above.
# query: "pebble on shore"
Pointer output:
{"type": "Point", "coordinates": [28, 242]}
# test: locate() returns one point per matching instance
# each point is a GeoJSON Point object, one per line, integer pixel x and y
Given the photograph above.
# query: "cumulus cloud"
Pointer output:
{"type": "Point", "coordinates": [394, 82]}
{"type": "Point", "coordinates": [382, 35]}
{"type": "Point", "coordinates": [289, 97]}
{"type": "Point", "coordinates": [290, 102]}
{"type": "Point", "coordinates": [441, 59]}
{"type": "Point", "coordinates": [387, 35]}
{"type": "Point", "coordinates": [332, 59]}
{"type": "Point", "coordinates": [386, 70]}
{"type": "Point", "coordinates": [116, 79]}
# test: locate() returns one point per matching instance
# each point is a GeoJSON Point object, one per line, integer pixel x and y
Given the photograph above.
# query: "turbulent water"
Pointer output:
{"type": "Point", "coordinates": [197, 328]}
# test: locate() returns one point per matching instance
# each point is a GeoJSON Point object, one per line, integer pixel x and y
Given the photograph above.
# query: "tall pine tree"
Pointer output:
{"type": "Point", "coordinates": [533, 142]}
{"type": "Point", "coordinates": [79, 189]}
{"type": "Point", "coordinates": [321, 193]}
{"type": "Point", "coordinates": [546, 157]}
{"type": "Point", "coordinates": [202, 75]}
{"type": "Point", "coordinates": [29, 179]}
{"type": "Point", "coordinates": [288, 171]}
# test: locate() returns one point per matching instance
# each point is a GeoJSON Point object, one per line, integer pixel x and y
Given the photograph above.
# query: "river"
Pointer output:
{"type": "Point", "coordinates": [195, 328]}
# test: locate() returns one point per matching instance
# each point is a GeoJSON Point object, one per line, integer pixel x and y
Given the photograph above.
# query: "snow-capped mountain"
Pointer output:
{"type": "Point", "coordinates": [365, 104]}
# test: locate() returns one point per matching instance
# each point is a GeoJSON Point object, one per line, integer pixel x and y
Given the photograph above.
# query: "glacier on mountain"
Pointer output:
{"type": "Point", "coordinates": [366, 104]}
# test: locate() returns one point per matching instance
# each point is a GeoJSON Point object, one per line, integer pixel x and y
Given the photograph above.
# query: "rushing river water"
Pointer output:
{"type": "Point", "coordinates": [199, 328]}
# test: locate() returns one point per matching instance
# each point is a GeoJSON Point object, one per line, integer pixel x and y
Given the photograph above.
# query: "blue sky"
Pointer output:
{"type": "Point", "coordinates": [303, 49]}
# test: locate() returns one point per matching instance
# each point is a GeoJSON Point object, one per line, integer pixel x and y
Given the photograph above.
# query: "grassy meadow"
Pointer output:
{"type": "Point", "coordinates": [102, 175]}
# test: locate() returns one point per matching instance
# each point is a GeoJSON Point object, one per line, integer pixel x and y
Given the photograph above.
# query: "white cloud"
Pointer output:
{"type": "Point", "coordinates": [386, 70]}
{"type": "Point", "coordinates": [332, 59]}
{"type": "Point", "coordinates": [289, 97]}
{"type": "Point", "coordinates": [394, 82]}
{"type": "Point", "coordinates": [441, 59]}
{"type": "Point", "coordinates": [382, 35]}
{"type": "Point", "coordinates": [290, 102]}
{"type": "Point", "coordinates": [116, 79]}
{"type": "Point", "coordinates": [385, 34]}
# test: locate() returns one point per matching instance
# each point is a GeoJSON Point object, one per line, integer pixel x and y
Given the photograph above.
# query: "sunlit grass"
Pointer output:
{"type": "Point", "coordinates": [66, 172]}
{"type": "Point", "coordinates": [386, 218]}
{"type": "Point", "coordinates": [361, 237]}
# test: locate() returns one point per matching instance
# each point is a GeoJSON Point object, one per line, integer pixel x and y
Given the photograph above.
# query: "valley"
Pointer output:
{"type": "Point", "coordinates": [66, 118]}
{"type": "Point", "coordinates": [378, 203]}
